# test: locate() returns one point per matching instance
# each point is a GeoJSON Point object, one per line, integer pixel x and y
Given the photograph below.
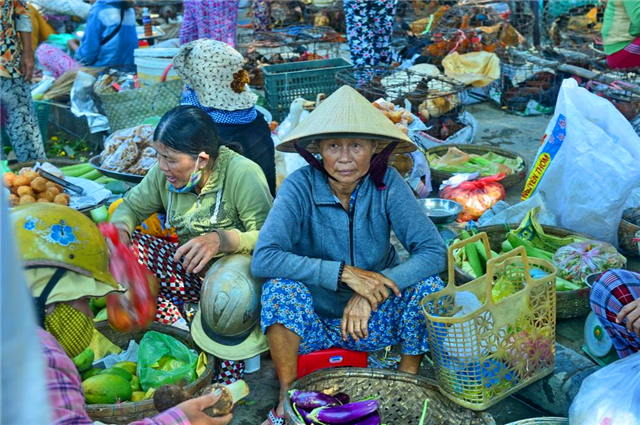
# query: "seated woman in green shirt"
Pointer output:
{"type": "Point", "coordinates": [215, 199]}
{"type": "Point", "coordinates": [621, 33]}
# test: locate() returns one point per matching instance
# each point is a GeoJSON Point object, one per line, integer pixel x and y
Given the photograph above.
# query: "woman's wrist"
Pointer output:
{"type": "Point", "coordinates": [229, 240]}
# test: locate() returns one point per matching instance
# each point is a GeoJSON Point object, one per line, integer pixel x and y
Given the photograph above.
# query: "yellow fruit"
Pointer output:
{"type": "Point", "coordinates": [106, 388]}
{"type": "Point", "coordinates": [130, 367]}
{"type": "Point", "coordinates": [135, 384]}
{"type": "Point", "coordinates": [119, 372]}
{"type": "Point", "coordinates": [137, 396]}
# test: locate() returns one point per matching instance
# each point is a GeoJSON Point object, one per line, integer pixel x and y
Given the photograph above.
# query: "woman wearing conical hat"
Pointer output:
{"type": "Point", "coordinates": [335, 278]}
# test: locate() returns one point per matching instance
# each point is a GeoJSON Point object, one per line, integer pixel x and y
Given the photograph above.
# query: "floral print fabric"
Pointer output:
{"type": "Point", "coordinates": [214, 19]}
{"type": "Point", "coordinates": [369, 30]}
{"type": "Point", "coordinates": [15, 17]}
{"type": "Point", "coordinates": [398, 320]}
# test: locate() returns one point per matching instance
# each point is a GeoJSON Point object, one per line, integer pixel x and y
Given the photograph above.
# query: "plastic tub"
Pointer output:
{"type": "Point", "coordinates": [151, 64]}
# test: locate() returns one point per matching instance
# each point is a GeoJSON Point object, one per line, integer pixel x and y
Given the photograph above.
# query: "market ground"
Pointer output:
{"type": "Point", "coordinates": [498, 129]}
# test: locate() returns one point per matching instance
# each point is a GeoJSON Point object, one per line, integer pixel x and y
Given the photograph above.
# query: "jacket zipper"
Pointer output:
{"type": "Point", "coordinates": [352, 213]}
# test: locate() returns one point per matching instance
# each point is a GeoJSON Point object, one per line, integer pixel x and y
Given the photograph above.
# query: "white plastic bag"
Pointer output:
{"type": "Point", "coordinates": [588, 164]}
{"type": "Point", "coordinates": [516, 213]}
{"type": "Point", "coordinates": [609, 396]}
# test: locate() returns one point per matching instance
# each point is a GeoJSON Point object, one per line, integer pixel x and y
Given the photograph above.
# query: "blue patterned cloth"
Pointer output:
{"type": "Point", "coordinates": [398, 320]}
{"type": "Point", "coordinates": [241, 116]}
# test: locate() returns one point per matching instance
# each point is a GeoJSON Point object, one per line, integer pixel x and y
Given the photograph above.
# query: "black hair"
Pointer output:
{"type": "Point", "coordinates": [189, 130]}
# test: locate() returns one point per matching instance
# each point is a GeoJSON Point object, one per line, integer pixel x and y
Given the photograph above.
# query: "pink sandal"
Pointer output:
{"type": "Point", "coordinates": [274, 419]}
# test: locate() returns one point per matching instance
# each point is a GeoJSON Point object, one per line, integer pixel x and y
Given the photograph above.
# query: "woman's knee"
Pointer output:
{"type": "Point", "coordinates": [278, 294]}
{"type": "Point", "coordinates": [605, 284]}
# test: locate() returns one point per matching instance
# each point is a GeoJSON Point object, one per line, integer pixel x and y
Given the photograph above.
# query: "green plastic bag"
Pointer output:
{"type": "Point", "coordinates": [163, 359]}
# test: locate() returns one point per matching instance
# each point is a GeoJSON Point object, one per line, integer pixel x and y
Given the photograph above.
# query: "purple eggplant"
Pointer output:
{"type": "Point", "coordinates": [309, 400]}
{"type": "Point", "coordinates": [342, 398]}
{"type": "Point", "coordinates": [346, 413]}
{"type": "Point", "coordinates": [372, 419]}
{"type": "Point", "coordinates": [303, 414]}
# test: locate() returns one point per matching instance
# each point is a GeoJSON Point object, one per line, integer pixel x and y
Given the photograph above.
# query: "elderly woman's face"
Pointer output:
{"type": "Point", "coordinates": [347, 160]}
{"type": "Point", "coordinates": [177, 166]}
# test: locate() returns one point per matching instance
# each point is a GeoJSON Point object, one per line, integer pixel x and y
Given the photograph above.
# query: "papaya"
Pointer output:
{"type": "Point", "coordinates": [119, 372]}
{"type": "Point", "coordinates": [137, 396]}
{"type": "Point", "coordinates": [84, 360]}
{"type": "Point", "coordinates": [91, 372]}
{"type": "Point", "coordinates": [130, 367]}
{"type": "Point", "coordinates": [135, 384]}
{"type": "Point", "coordinates": [106, 388]}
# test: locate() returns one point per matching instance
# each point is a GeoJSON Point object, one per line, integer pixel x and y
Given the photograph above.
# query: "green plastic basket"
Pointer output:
{"type": "Point", "coordinates": [286, 82]}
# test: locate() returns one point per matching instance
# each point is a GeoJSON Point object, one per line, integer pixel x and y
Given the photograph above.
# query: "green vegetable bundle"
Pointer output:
{"type": "Point", "coordinates": [489, 164]}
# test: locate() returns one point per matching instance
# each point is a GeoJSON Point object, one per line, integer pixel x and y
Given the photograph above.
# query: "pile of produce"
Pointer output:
{"type": "Point", "coordinates": [116, 384]}
{"type": "Point", "coordinates": [314, 407]}
{"type": "Point", "coordinates": [400, 117]}
{"type": "Point", "coordinates": [28, 187]}
{"type": "Point", "coordinates": [573, 256]}
{"type": "Point", "coordinates": [87, 171]}
{"type": "Point", "coordinates": [129, 150]}
{"type": "Point", "coordinates": [457, 161]}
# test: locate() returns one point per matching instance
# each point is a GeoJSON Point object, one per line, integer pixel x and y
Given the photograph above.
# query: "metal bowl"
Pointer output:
{"type": "Point", "coordinates": [127, 177]}
{"type": "Point", "coordinates": [441, 211]}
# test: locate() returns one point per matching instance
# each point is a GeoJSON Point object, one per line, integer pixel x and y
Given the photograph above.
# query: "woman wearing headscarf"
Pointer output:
{"type": "Point", "coordinates": [335, 279]}
{"type": "Point", "coordinates": [217, 84]}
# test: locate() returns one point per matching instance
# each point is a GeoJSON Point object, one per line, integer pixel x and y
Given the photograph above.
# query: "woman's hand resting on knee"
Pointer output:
{"type": "Point", "coordinates": [355, 318]}
{"type": "Point", "coordinates": [372, 286]}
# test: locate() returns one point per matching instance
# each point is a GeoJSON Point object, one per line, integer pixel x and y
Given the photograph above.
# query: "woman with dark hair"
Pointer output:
{"type": "Point", "coordinates": [214, 198]}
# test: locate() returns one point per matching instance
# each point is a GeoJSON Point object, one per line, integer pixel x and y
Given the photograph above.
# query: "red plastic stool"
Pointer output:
{"type": "Point", "coordinates": [332, 357]}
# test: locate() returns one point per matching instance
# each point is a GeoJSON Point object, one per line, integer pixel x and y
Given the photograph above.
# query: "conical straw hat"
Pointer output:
{"type": "Point", "coordinates": [346, 114]}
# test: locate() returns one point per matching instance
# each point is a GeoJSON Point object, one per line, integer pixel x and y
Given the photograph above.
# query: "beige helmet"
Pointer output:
{"type": "Point", "coordinates": [229, 303]}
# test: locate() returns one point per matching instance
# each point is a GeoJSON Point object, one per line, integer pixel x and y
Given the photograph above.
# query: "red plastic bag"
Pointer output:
{"type": "Point", "coordinates": [136, 308]}
{"type": "Point", "coordinates": [476, 196]}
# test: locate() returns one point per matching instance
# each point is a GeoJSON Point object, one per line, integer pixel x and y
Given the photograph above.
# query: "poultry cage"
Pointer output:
{"type": "Point", "coordinates": [575, 24]}
{"type": "Point", "coordinates": [326, 13]}
{"type": "Point", "coordinates": [527, 88]}
{"type": "Point", "coordinates": [433, 47]}
{"type": "Point", "coordinates": [516, 17]}
{"type": "Point", "coordinates": [620, 95]}
{"type": "Point", "coordinates": [433, 98]}
{"type": "Point", "coordinates": [291, 44]}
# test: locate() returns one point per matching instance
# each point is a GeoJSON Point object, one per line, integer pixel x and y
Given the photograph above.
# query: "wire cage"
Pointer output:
{"type": "Point", "coordinates": [618, 93]}
{"type": "Point", "coordinates": [326, 13]}
{"type": "Point", "coordinates": [434, 99]}
{"type": "Point", "coordinates": [489, 13]}
{"type": "Point", "coordinates": [433, 47]}
{"type": "Point", "coordinates": [526, 88]}
{"type": "Point", "coordinates": [575, 23]}
{"type": "Point", "coordinates": [293, 44]}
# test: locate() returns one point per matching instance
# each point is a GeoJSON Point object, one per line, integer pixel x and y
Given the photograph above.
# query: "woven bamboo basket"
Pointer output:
{"type": "Point", "coordinates": [124, 413]}
{"type": "Point", "coordinates": [541, 421]}
{"type": "Point", "coordinates": [509, 181]}
{"type": "Point", "coordinates": [626, 234]}
{"type": "Point", "coordinates": [568, 303]}
{"type": "Point", "coordinates": [401, 396]}
{"type": "Point", "coordinates": [58, 162]}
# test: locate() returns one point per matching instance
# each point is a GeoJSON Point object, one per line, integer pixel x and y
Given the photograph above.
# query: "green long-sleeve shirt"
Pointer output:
{"type": "Point", "coordinates": [236, 198]}
{"type": "Point", "coordinates": [621, 24]}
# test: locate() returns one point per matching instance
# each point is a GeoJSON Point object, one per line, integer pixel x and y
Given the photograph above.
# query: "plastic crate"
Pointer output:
{"type": "Point", "coordinates": [332, 357]}
{"type": "Point", "coordinates": [42, 111]}
{"type": "Point", "coordinates": [286, 82]}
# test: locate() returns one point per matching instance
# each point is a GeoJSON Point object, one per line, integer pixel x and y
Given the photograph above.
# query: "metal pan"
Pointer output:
{"type": "Point", "coordinates": [127, 177]}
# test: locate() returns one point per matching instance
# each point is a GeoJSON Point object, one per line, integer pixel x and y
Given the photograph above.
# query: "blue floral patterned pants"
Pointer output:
{"type": "Point", "coordinates": [398, 320]}
{"type": "Point", "coordinates": [369, 30]}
